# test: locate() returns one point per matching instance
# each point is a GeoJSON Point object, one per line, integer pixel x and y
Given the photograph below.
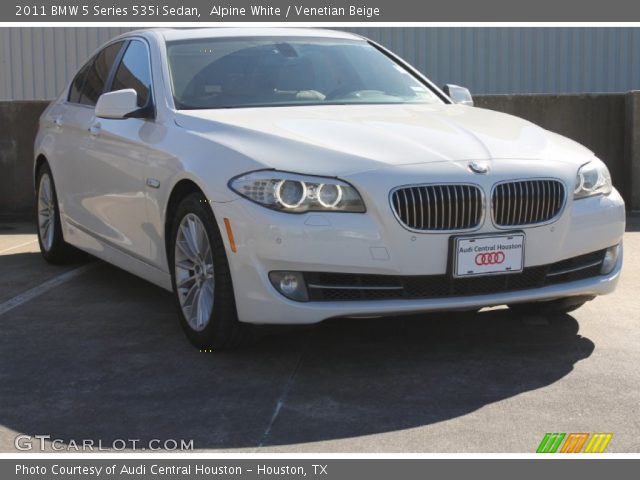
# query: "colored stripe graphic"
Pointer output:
{"type": "Point", "coordinates": [598, 442]}
{"type": "Point", "coordinates": [550, 443]}
{"type": "Point", "coordinates": [574, 443]}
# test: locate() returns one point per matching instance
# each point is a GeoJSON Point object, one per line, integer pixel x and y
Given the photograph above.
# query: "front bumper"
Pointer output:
{"type": "Point", "coordinates": [375, 243]}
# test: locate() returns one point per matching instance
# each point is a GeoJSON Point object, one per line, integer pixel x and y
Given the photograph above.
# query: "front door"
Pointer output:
{"type": "Point", "coordinates": [117, 205]}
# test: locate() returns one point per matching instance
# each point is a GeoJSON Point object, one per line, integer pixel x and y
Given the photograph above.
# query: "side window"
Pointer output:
{"type": "Point", "coordinates": [133, 72]}
{"type": "Point", "coordinates": [78, 81]}
{"type": "Point", "coordinates": [98, 74]}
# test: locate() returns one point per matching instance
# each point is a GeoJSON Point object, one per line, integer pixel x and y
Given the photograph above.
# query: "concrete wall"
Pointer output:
{"type": "Point", "coordinates": [597, 121]}
{"type": "Point", "coordinates": [632, 148]}
{"type": "Point", "coordinates": [18, 127]}
{"type": "Point", "coordinates": [609, 124]}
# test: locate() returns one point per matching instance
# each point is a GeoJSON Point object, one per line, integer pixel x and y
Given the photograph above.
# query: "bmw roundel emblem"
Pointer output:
{"type": "Point", "coordinates": [478, 167]}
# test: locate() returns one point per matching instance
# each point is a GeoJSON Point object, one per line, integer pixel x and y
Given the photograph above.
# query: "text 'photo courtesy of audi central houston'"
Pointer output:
{"type": "Point", "coordinates": [288, 176]}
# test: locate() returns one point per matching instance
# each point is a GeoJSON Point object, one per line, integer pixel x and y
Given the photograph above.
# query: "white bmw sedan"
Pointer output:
{"type": "Point", "coordinates": [287, 176]}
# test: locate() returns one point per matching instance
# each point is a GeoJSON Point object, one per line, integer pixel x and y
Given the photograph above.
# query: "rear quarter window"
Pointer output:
{"type": "Point", "coordinates": [78, 81]}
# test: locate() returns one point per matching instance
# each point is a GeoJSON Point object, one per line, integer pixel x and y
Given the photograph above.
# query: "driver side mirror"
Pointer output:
{"type": "Point", "coordinates": [117, 105]}
{"type": "Point", "coordinates": [459, 95]}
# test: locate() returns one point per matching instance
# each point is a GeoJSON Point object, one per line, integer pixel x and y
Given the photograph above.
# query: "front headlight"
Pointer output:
{"type": "Point", "coordinates": [593, 179]}
{"type": "Point", "coordinates": [290, 192]}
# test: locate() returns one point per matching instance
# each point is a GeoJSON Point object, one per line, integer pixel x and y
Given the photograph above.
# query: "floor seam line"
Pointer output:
{"type": "Point", "coordinates": [283, 396]}
{"type": "Point", "coordinates": [42, 288]}
{"type": "Point", "coordinates": [15, 247]}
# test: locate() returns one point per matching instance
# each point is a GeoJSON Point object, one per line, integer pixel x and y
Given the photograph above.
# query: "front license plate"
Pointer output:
{"type": "Point", "coordinates": [488, 255]}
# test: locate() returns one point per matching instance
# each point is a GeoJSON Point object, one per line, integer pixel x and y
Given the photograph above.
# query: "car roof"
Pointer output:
{"type": "Point", "coordinates": [171, 34]}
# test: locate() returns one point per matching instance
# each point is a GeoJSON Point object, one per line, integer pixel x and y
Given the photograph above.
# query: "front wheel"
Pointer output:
{"type": "Point", "coordinates": [202, 280]}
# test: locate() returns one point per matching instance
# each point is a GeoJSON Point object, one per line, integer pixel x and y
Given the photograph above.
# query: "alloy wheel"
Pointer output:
{"type": "Point", "coordinates": [194, 272]}
{"type": "Point", "coordinates": [46, 212]}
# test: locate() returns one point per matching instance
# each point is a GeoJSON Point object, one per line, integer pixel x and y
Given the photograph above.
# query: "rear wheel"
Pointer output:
{"type": "Point", "coordinates": [202, 280]}
{"type": "Point", "coordinates": [552, 307]}
{"type": "Point", "coordinates": [52, 245]}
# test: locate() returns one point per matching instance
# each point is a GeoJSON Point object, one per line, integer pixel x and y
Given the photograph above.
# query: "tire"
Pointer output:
{"type": "Point", "coordinates": [52, 245]}
{"type": "Point", "coordinates": [552, 307]}
{"type": "Point", "coordinates": [201, 279]}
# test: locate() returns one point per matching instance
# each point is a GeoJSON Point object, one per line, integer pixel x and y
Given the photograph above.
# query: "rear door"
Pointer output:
{"type": "Point", "coordinates": [69, 120]}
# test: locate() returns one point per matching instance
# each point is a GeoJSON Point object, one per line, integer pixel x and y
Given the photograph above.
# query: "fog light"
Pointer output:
{"type": "Point", "coordinates": [290, 284]}
{"type": "Point", "coordinates": [610, 259]}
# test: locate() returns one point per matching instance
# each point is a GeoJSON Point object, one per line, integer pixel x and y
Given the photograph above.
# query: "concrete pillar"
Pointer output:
{"type": "Point", "coordinates": [632, 148]}
{"type": "Point", "coordinates": [18, 127]}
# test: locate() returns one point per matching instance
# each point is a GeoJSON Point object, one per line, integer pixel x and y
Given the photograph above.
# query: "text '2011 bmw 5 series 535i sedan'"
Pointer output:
{"type": "Point", "coordinates": [287, 176]}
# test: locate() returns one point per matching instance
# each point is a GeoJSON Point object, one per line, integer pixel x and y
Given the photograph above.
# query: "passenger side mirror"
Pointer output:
{"type": "Point", "coordinates": [117, 105]}
{"type": "Point", "coordinates": [458, 94]}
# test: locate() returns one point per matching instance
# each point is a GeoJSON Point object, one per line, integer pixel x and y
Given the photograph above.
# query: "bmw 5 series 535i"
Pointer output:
{"type": "Point", "coordinates": [287, 176]}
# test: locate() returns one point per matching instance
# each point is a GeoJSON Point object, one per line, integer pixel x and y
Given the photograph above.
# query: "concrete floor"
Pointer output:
{"type": "Point", "coordinates": [98, 354]}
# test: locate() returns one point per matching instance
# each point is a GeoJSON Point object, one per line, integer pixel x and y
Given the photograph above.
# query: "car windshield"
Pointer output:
{"type": "Point", "coordinates": [259, 72]}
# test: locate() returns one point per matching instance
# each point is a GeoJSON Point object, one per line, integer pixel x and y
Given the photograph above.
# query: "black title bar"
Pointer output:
{"type": "Point", "coordinates": [327, 11]}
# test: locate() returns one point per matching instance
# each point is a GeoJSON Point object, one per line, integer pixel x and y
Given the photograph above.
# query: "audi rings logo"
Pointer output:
{"type": "Point", "coordinates": [492, 258]}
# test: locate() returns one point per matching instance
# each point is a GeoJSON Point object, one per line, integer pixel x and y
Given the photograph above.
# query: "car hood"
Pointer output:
{"type": "Point", "coordinates": [343, 139]}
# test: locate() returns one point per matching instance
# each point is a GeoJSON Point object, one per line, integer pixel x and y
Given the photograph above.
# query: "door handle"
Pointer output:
{"type": "Point", "coordinates": [95, 129]}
